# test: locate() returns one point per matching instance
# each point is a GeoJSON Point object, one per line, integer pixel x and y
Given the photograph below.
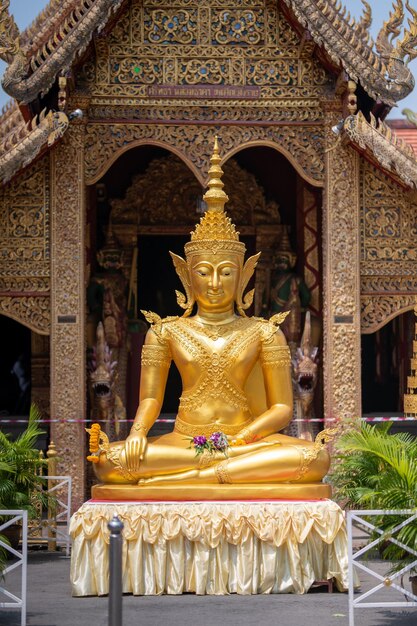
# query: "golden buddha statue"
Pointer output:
{"type": "Point", "coordinates": [235, 372]}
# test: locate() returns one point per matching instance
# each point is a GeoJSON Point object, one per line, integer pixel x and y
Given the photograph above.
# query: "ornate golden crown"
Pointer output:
{"type": "Point", "coordinates": [215, 231]}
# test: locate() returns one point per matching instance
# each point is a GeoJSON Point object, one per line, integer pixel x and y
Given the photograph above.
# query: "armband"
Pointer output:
{"type": "Point", "coordinates": [156, 355]}
{"type": "Point", "coordinates": [276, 356]}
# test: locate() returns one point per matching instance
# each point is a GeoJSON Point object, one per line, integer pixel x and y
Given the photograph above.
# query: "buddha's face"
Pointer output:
{"type": "Point", "coordinates": [214, 280]}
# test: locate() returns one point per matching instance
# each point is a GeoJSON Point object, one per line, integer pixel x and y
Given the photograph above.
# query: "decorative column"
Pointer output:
{"type": "Point", "coordinates": [341, 288]}
{"type": "Point", "coordinates": [68, 345]}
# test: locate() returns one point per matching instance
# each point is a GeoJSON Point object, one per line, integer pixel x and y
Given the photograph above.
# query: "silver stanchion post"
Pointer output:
{"type": "Point", "coordinates": [115, 527]}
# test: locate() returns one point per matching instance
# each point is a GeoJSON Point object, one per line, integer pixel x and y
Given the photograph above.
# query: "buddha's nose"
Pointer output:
{"type": "Point", "coordinates": [215, 281]}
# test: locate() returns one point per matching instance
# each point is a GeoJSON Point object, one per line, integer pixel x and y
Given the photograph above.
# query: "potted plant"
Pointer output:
{"type": "Point", "coordinates": [377, 470]}
{"type": "Point", "coordinates": [21, 483]}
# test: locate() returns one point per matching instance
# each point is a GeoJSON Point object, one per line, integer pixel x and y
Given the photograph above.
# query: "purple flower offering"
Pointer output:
{"type": "Point", "coordinates": [199, 441]}
{"type": "Point", "coordinates": [219, 441]}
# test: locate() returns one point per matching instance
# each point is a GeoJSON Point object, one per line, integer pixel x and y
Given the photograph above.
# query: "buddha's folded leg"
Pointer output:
{"type": "Point", "coordinates": [160, 460]}
{"type": "Point", "coordinates": [272, 464]}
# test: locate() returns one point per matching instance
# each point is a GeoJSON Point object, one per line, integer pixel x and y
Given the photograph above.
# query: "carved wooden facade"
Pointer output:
{"type": "Point", "coordinates": [173, 74]}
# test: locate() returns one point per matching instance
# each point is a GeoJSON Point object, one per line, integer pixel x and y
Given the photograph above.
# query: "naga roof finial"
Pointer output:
{"type": "Point", "coordinates": [9, 34]}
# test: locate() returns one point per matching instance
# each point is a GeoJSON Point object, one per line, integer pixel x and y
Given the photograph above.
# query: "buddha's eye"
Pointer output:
{"type": "Point", "coordinates": [201, 273]}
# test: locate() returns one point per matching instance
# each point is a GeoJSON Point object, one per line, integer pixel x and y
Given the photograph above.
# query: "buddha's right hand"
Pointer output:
{"type": "Point", "coordinates": [135, 448]}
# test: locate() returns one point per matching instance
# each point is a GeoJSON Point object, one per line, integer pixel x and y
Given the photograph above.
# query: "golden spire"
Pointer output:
{"type": "Point", "coordinates": [215, 231]}
{"type": "Point", "coordinates": [215, 197]}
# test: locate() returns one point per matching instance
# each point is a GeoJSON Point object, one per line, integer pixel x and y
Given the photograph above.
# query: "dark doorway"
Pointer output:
{"type": "Point", "coordinates": [385, 366]}
{"type": "Point", "coordinates": [15, 375]}
{"type": "Point", "coordinates": [157, 282]}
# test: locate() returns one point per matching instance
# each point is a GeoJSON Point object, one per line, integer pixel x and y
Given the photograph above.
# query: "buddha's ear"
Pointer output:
{"type": "Point", "coordinates": [242, 302]}
{"type": "Point", "coordinates": [185, 302]}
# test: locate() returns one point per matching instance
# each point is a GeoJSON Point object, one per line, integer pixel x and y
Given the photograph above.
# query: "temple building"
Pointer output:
{"type": "Point", "coordinates": [104, 153]}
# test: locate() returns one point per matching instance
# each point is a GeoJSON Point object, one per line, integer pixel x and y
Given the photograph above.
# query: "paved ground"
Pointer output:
{"type": "Point", "coordinates": [50, 604]}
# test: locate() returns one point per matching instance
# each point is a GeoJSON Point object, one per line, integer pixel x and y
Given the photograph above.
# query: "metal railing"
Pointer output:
{"type": "Point", "coordinates": [56, 523]}
{"type": "Point", "coordinates": [387, 582]}
{"type": "Point", "coordinates": [51, 526]}
{"type": "Point", "coordinates": [16, 516]}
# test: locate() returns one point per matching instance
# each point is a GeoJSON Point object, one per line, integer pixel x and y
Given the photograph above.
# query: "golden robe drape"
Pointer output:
{"type": "Point", "coordinates": [211, 547]}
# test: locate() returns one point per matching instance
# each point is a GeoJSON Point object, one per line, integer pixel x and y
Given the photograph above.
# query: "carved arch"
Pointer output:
{"type": "Point", "coordinates": [143, 143]}
{"type": "Point", "coordinates": [377, 311]}
{"type": "Point", "coordinates": [278, 148]}
{"type": "Point", "coordinates": [30, 311]}
{"type": "Point", "coordinates": [192, 143]}
{"type": "Point", "coordinates": [178, 189]}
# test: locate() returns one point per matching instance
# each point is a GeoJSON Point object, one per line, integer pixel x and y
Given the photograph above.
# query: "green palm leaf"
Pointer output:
{"type": "Point", "coordinates": [377, 470]}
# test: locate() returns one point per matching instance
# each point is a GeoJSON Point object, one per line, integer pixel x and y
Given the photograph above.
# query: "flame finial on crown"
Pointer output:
{"type": "Point", "coordinates": [215, 231]}
{"type": "Point", "coordinates": [215, 197]}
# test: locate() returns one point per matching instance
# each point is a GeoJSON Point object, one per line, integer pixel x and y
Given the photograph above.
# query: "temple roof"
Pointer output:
{"type": "Point", "coordinates": [378, 143]}
{"type": "Point", "coordinates": [379, 67]}
{"type": "Point", "coordinates": [50, 45]}
{"type": "Point", "coordinates": [64, 29]}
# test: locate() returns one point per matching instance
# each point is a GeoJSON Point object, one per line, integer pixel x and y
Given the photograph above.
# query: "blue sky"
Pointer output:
{"type": "Point", "coordinates": [25, 11]}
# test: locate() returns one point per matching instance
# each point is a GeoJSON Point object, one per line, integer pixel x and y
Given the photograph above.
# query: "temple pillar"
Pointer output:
{"type": "Point", "coordinates": [341, 285]}
{"type": "Point", "coordinates": [68, 343]}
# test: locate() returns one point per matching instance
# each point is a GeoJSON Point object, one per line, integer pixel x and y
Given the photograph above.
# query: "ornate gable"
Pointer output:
{"type": "Point", "coordinates": [243, 61]}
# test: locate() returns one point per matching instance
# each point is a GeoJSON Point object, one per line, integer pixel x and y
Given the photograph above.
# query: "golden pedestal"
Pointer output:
{"type": "Point", "coordinates": [199, 493]}
{"type": "Point", "coordinates": [215, 548]}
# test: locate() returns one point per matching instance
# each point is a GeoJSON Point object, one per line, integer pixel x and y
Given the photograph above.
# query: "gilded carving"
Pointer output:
{"type": "Point", "coordinates": [381, 72]}
{"type": "Point", "coordinates": [24, 142]}
{"type": "Point", "coordinates": [302, 146]}
{"type": "Point", "coordinates": [226, 111]}
{"type": "Point", "coordinates": [68, 306]}
{"type": "Point", "coordinates": [388, 254]}
{"type": "Point", "coordinates": [273, 72]}
{"type": "Point", "coordinates": [378, 309]}
{"type": "Point", "coordinates": [69, 39]}
{"type": "Point", "coordinates": [25, 248]}
{"type": "Point", "coordinates": [28, 283]}
{"type": "Point", "coordinates": [51, 46]}
{"type": "Point", "coordinates": [31, 311]}
{"type": "Point", "coordinates": [388, 220]}
{"type": "Point", "coordinates": [193, 71]}
{"type": "Point", "coordinates": [238, 26]}
{"type": "Point", "coordinates": [341, 246]}
{"type": "Point", "coordinates": [394, 154]}
{"type": "Point", "coordinates": [166, 26]}
{"type": "Point", "coordinates": [178, 193]}
{"type": "Point", "coordinates": [183, 43]}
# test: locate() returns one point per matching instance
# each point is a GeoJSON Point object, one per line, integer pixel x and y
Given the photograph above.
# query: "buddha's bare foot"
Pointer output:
{"type": "Point", "coordinates": [179, 477]}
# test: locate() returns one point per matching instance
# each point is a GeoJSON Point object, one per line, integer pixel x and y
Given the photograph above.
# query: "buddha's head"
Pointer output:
{"type": "Point", "coordinates": [214, 273]}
